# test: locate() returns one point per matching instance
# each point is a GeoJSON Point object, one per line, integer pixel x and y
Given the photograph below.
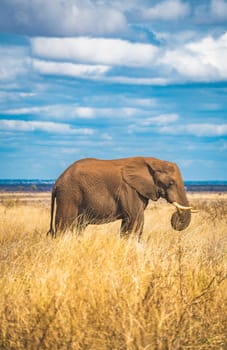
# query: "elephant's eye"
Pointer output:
{"type": "Point", "coordinates": [171, 183]}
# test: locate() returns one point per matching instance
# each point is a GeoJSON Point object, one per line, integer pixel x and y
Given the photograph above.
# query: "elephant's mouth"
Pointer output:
{"type": "Point", "coordinates": [181, 218]}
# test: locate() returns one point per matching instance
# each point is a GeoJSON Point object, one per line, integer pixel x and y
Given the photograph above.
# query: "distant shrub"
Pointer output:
{"type": "Point", "coordinates": [33, 187]}
{"type": "Point", "coordinates": [10, 202]}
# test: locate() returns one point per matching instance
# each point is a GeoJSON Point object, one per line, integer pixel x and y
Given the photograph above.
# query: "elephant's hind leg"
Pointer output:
{"type": "Point", "coordinates": [66, 217]}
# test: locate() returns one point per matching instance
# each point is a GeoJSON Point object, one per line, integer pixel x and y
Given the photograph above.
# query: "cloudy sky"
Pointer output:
{"type": "Point", "coordinates": [112, 79]}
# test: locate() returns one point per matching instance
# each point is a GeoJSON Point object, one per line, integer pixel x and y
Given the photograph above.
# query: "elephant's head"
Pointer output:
{"type": "Point", "coordinates": [154, 178]}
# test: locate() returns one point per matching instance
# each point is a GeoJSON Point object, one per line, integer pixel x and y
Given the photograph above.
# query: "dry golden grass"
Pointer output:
{"type": "Point", "coordinates": [100, 292]}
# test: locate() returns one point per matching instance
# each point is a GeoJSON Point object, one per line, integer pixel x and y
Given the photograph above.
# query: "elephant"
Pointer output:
{"type": "Point", "coordinates": [95, 191]}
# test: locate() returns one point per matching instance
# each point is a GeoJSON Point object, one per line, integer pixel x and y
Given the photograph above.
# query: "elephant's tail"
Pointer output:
{"type": "Point", "coordinates": [51, 230]}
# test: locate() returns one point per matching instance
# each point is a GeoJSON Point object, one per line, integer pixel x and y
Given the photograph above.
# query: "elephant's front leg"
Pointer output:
{"type": "Point", "coordinates": [63, 223]}
{"type": "Point", "coordinates": [132, 224]}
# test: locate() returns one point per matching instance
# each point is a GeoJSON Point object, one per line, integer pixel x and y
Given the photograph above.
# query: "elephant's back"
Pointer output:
{"type": "Point", "coordinates": [91, 172]}
{"type": "Point", "coordinates": [93, 165]}
{"type": "Point", "coordinates": [88, 164]}
{"type": "Point", "coordinates": [98, 173]}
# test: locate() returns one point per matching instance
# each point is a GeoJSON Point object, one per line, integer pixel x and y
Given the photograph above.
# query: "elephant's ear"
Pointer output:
{"type": "Point", "coordinates": [139, 176]}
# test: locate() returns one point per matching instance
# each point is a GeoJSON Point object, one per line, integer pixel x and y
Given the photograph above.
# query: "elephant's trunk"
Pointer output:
{"type": "Point", "coordinates": [181, 219]}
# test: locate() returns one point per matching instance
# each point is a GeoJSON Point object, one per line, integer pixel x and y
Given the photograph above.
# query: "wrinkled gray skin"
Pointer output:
{"type": "Point", "coordinates": [92, 191]}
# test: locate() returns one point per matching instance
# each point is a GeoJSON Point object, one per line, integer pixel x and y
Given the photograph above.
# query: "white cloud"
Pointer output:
{"type": "Point", "coordinates": [158, 121]}
{"type": "Point", "coordinates": [176, 38]}
{"type": "Point", "coordinates": [219, 9]}
{"type": "Point", "coordinates": [6, 96]}
{"type": "Point", "coordinates": [14, 62]}
{"type": "Point", "coordinates": [91, 72]}
{"type": "Point", "coordinates": [69, 69]}
{"type": "Point", "coordinates": [169, 10]}
{"type": "Point", "coordinates": [106, 137]}
{"type": "Point", "coordinates": [60, 17]}
{"type": "Point", "coordinates": [25, 110]}
{"type": "Point", "coordinates": [83, 112]}
{"type": "Point", "coordinates": [212, 53]}
{"type": "Point", "coordinates": [55, 111]}
{"type": "Point", "coordinates": [26, 94]}
{"type": "Point", "coordinates": [204, 60]}
{"type": "Point", "coordinates": [123, 112]}
{"type": "Point", "coordinates": [22, 125]}
{"type": "Point", "coordinates": [187, 65]}
{"type": "Point", "coordinates": [201, 60]}
{"type": "Point", "coordinates": [71, 112]}
{"type": "Point", "coordinates": [161, 119]}
{"type": "Point", "coordinates": [211, 12]}
{"type": "Point", "coordinates": [142, 102]}
{"type": "Point", "coordinates": [211, 130]}
{"type": "Point", "coordinates": [99, 51]}
{"type": "Point", "coordinates": [137, 81]}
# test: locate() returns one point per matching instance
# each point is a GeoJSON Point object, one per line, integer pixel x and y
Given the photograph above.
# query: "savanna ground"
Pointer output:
{"type": "Point", "coordinates": [101, 292]}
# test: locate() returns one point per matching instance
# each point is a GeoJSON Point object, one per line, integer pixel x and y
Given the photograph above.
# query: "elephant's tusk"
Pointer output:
{"type": "Point", "coordinates": [181, 207]}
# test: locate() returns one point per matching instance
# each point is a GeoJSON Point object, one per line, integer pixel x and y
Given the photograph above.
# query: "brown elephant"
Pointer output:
{"type": "Point", "coordinates": [93, 191]}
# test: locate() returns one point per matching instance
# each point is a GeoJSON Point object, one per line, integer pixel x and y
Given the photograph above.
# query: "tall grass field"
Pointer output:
{"type": "Point", "coordinates": [99, 292]}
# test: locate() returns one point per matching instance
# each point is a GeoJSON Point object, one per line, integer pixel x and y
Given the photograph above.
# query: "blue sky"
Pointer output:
{"type": "Point", "coordinates": [112, 79]}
